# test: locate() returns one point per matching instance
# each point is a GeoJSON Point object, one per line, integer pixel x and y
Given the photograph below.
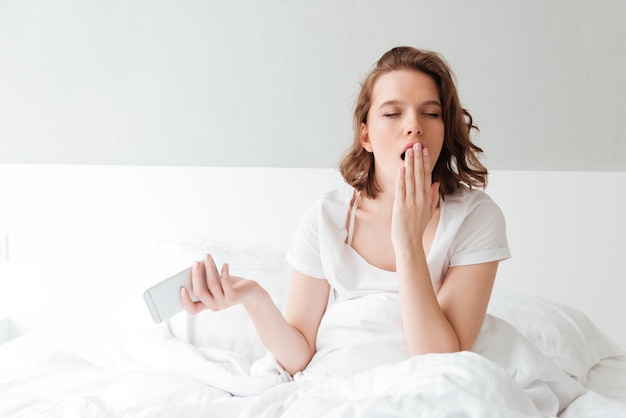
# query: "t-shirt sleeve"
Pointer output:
{"type": "Point", "coordinates": [481, 237]}
{"type": "Point", "coordinates": [304, 252]}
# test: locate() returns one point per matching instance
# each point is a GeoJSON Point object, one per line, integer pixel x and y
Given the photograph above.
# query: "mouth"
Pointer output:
{"type": "Point", "coordinates": [409, 146]}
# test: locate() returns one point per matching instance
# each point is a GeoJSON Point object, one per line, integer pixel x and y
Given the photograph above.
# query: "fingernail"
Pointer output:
{"type": "Point", "coordinates": [183, 291]}
{"type": "Point", "coordinates": [425, 151]}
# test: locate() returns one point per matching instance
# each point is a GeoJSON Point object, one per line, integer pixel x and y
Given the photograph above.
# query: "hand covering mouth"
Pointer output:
{"type": "Point", "coordinates": [403, 155]}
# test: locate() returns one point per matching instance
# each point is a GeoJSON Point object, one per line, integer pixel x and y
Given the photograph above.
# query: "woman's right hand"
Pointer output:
{"type": "Point", "coordinates": [216, 293]}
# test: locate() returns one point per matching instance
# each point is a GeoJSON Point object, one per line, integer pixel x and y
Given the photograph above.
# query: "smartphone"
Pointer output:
{"type": "Point", "coordinates": [163, 299]}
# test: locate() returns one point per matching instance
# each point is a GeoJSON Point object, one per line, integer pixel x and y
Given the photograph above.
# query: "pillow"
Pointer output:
{"type": "Point", "coordinates": [565, 335]}
{"type": "Point", "coordinates": [229, 329]}
{"type": "Point", "coordinates": [560, 332]}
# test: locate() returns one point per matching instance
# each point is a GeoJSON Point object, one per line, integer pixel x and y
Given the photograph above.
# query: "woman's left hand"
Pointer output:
{"type": "Point", "coordinates": [416, 198]}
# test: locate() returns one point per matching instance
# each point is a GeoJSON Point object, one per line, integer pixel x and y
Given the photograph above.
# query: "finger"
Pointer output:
{"type": "Point", "coordinates": [227, 282]}
{"type": "Point", "coordinates": [428, 171]}
{"type": "Point", "coordinates": [409, 175]}
{"type": "Point", "coordinates": [213, 279]}
{"type": "Point", "coordinates": [400, 185]}
{"type": "Point", "coordinates": [419, 165]}
{"type": "Point", "coordinates": [189, 305]}
{"type": "Point", "coordinates": [198, 284]}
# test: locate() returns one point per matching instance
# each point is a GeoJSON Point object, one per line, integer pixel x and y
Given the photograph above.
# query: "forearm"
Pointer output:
{"type": "Point", "coordinates": [286, 343]}
{"type": "Point", "coordinates": [426, 327]}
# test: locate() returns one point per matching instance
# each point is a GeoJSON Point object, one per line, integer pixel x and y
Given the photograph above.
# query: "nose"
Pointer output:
{"type": "Point", "coordinates": [414, 127]}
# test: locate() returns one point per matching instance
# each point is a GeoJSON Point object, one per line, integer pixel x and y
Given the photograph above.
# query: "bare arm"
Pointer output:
{"type": "Point", "coordinates": [464, 297]}
{"type": "Point", "coordinates": [291, 340]}
{"type": "Point", "coordinates": [451, 320]}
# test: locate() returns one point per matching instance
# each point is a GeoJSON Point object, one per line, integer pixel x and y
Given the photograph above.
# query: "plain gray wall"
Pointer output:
{"type": "Point", "coordinates": [272, 83]}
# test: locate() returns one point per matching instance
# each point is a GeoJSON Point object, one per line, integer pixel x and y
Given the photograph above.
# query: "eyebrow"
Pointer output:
{"type": "Point", "coordinates": [398, 102]}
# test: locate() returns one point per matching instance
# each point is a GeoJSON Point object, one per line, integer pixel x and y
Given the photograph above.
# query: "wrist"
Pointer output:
{"type": "Point", "coordinates": [408, 249]}
{"type": "Point", "coordinates": [257, 296]}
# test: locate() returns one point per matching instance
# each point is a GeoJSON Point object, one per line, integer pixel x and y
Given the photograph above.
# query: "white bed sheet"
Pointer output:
{"type": "Point", "coordinates": [608, 377]}
{"type": "Point", "coordinates": [144, 372]}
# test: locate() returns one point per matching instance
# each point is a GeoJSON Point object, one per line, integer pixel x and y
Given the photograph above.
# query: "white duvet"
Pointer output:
{"type": "Point", "coordinates": [151, 374]}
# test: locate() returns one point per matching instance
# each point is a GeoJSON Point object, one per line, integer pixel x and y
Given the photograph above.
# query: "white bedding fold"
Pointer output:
{"type": "Point", "coordinates": [431, 385]}
{"type": "Point", "coordinates": [218, 368]}
{"type": "Point", "coordinates": [155, 375]}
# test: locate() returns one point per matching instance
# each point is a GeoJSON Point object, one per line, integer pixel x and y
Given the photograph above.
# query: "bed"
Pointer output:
{"type": "Point", "coordinates": [546, 348]}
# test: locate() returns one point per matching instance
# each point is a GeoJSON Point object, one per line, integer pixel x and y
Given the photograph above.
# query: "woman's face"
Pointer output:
{"type": "Point", "coordinates": [405, 109]}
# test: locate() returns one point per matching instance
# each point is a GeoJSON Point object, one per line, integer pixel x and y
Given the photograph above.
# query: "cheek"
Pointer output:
{"type": "Point", "coordinates": [441, 134]}
{"type": "Point", "coordinates": [437, 151]}
{"type": "Point", "coordinates": [438, 156]}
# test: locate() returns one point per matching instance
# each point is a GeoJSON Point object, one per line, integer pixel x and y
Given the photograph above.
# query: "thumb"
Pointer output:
{"type": "Point", "coordinates": [227, 283]}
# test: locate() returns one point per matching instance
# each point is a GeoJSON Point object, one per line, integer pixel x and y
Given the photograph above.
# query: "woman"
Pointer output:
{"type": "Point", "coordinates": [402, 260]}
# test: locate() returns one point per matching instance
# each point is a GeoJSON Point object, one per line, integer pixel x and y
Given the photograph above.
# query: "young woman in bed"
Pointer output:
{"type": "Point", "coordinates": [399, 262]}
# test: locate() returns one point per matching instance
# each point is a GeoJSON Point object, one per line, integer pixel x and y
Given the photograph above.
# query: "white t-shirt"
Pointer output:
{"type": "Point", "coordinates": [365, 313]}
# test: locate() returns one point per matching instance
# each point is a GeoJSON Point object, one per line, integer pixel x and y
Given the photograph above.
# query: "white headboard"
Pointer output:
{"type": "Point", "coordinates": [84, 240]}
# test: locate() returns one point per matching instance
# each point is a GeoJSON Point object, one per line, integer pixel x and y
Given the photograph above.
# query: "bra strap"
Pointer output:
{"type": "Point", "coordinates": [353, 217]}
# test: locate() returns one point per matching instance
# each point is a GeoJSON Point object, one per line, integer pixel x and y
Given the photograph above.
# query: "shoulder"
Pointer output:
{"type": "Point", "coordinates": [333, 201]}
{"type": "Point", "coordinates": [466, 200]}
{"type": "Point", "coordinates": [321, 224]}
{"type": "Point", "coordinates": [337, 197]}
{"type": "Point", "coordinates": [330, 207]}
{"type": "Point", "coordinates": [472, 208]}
{"type": "Point", "coordinates": [477, 227]}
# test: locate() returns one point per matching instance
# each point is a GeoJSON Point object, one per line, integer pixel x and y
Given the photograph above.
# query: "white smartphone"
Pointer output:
{"type": "Point", "coordinates": [163, 299]}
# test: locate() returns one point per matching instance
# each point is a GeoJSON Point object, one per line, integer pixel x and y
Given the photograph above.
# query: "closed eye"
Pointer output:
{"type": "Point", "coordinates": [432, 115]}
{"type": "Point", "coordinates": [391, 114]}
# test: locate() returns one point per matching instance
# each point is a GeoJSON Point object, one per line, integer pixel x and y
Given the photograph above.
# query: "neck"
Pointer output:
{"type": "Point", "coordinates": [382, 204]}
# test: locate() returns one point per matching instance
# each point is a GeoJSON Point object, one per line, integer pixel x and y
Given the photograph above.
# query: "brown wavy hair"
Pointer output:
{"type": "Point", "coordinates": [458, 161]}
